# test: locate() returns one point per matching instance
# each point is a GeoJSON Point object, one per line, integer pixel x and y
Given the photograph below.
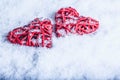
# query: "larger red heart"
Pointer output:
{"type": "Point", "coordinates": [36, 33]}
{"type": "Point", "coordinates": [68, 21]}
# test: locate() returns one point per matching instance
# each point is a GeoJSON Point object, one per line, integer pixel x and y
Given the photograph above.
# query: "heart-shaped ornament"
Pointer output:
{"type": "Point", "coordinates": [36, 33]}
{"type": "Point", "coordinates": [68, 21]}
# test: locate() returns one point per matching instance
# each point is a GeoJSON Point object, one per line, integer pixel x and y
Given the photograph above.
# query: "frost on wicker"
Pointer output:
{"type": "Point", "coordinates": [68, 21]}
{"type": "Point", "coordinates": [36, 33]}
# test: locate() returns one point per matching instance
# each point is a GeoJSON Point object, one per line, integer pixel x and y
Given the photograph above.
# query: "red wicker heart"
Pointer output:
{"type": "Point", "coordinates": [36, 33]}
{"type": "Point", "coordinates": [68, 21]}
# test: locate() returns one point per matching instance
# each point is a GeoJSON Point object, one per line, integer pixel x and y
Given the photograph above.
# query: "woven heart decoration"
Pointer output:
{"type": "Point", "coordinates": [36, 33]}
{"type": "Point", "coordinates": [39, 32]}
{"type": "Point", "coordinates": [68, 21]}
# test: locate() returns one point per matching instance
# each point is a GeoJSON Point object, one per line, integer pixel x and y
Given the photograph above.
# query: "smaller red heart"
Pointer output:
{"type": "Point", "coordinates": [36, 33]}
{"type": "Point", "coordinates": [68, 21]}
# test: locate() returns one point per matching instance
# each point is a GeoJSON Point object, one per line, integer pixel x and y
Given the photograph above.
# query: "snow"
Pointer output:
{"type": "Point", "coordinates": [92, 56]}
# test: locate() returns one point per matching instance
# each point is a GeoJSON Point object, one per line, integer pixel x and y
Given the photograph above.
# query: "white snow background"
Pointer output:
{"type": "Point", "coordinates": [94, 56]}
